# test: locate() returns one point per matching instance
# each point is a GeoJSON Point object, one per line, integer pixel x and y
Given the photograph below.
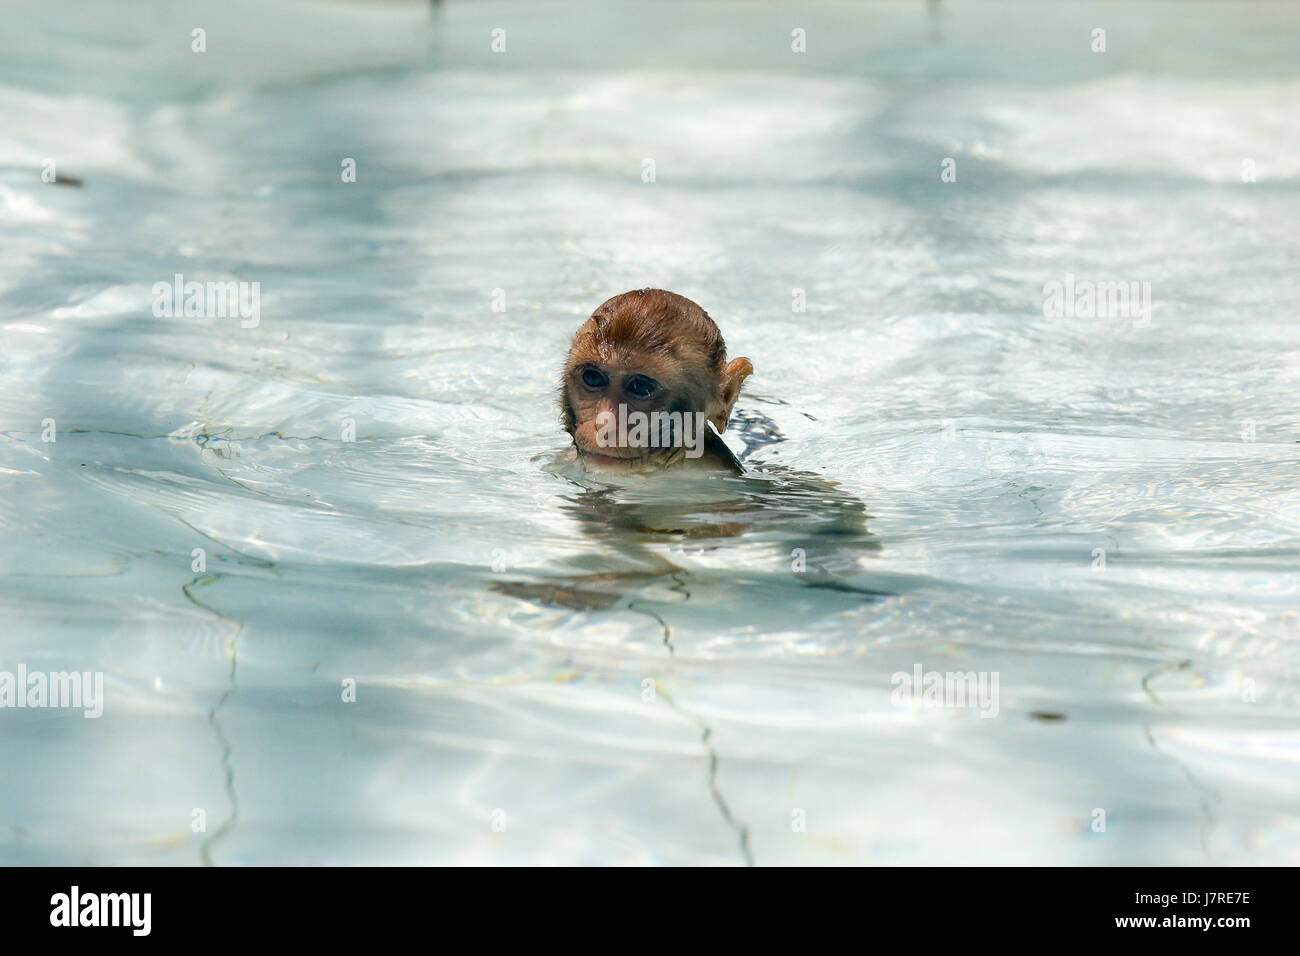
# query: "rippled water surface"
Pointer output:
{"type": "Point", "coordinates": [1102, 512]}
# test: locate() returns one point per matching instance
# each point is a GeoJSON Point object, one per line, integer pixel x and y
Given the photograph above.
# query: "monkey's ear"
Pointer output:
{"type": "Point", "coordinates": [733, 376]}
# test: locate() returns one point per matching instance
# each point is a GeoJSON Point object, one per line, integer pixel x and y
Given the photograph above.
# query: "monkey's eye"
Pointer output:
{"type": "Point", "coordinates": [594, 378]}
{"type": "Point", "coordinates": [639, 386]}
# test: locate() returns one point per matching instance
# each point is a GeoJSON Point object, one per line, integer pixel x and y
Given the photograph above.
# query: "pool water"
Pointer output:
{"type": "Point", "coordinates": [350, 605]}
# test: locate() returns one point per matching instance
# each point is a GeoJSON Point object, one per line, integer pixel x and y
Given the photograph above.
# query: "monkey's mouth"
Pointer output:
{"type": "Point", "coordinates": [623, 454]}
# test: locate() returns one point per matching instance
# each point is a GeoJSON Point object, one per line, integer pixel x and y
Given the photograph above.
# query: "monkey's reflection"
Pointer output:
{"type": "Point", "coordinates": [812, 532]}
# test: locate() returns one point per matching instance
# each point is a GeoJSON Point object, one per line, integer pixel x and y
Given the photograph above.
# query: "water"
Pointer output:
{"type": "Point", "coordinates": [549, 670]}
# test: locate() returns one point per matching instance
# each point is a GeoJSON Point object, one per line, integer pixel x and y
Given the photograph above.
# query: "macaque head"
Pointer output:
{"type": "Point", "coordinates": [643, 375]}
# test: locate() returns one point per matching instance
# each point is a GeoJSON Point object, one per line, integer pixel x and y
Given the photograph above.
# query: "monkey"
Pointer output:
{"type": "Point", "coordinates": [651, 352]}
{"type": "Point", "coordinates": [647, 386]}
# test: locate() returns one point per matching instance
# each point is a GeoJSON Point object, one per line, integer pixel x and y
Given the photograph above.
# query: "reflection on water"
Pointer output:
{"type": "Point", "coordinates": [636, 523]}
{"type": "Point", "coordinates": [348, 604]}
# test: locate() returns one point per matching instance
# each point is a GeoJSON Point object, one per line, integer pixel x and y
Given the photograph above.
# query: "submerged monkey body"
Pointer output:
{"type": "Point", "coordinates": [647, 361]}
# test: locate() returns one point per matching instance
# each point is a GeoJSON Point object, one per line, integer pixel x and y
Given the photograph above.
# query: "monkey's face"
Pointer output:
{"type": "Point", "coordinates": [644, 377]}
{"type": "Point", "coordinates": [634, 407]}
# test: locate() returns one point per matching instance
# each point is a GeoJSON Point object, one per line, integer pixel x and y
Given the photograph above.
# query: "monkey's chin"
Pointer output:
{"type": "Point", "coordinates": [628, 459]}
